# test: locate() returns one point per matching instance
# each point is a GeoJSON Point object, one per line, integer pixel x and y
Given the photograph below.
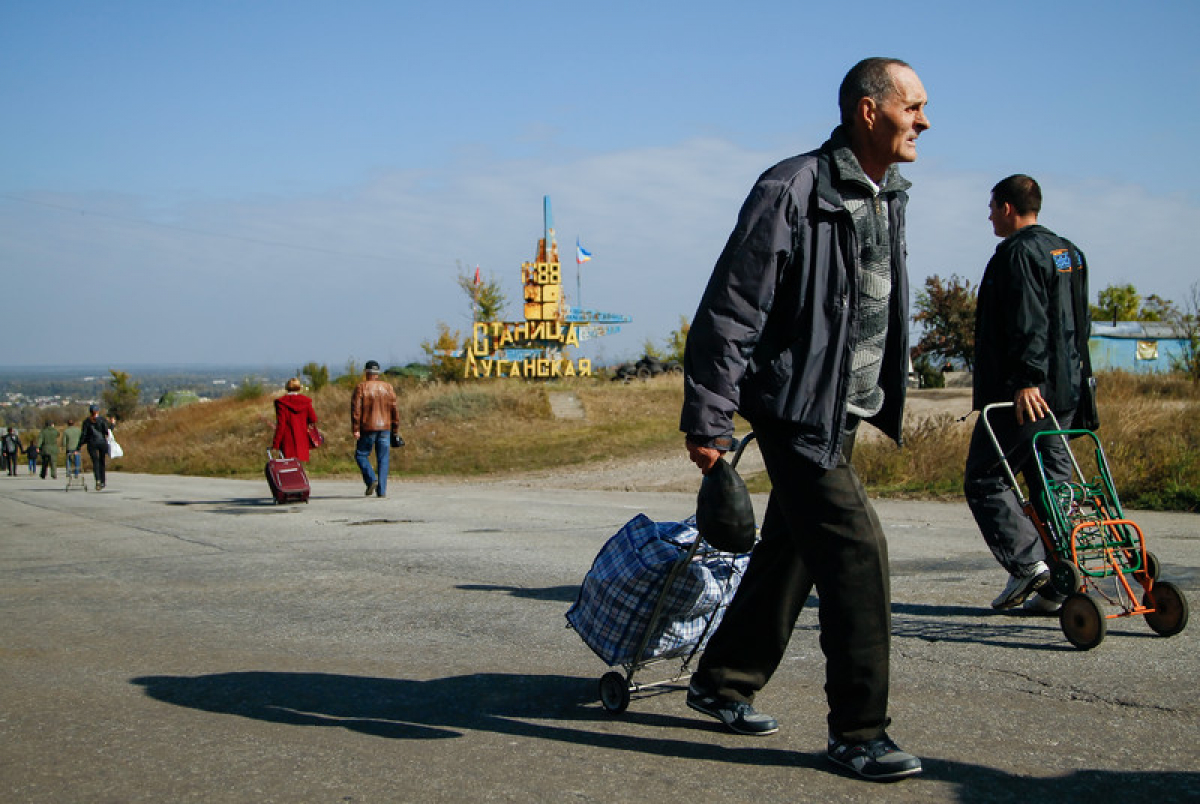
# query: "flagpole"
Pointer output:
{"type": "Point", "coordinates": [581, 256]}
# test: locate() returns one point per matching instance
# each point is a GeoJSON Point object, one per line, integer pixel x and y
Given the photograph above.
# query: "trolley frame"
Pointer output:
{"type": "Point", "coordinates": [616, 689]}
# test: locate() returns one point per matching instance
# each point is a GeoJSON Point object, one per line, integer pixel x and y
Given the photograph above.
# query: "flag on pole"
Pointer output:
{"type": "Point", "coordinates": [476, 274]}
{"type": "Point", "coordinates": [582, 255]}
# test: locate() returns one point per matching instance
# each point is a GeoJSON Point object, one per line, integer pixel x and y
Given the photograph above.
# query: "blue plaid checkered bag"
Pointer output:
{"type": "Point", "coordinates": [620, 591]}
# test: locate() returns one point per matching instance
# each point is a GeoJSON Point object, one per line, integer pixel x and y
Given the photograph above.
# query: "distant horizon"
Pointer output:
{"type": "Point", "coordinates": [104, 368]}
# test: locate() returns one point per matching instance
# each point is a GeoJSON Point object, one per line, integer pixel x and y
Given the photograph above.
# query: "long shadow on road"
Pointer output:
{"type": "Point", "coordinates": [521, 705]}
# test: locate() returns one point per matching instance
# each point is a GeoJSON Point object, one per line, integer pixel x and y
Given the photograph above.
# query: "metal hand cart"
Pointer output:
{"type": "Point", "coordinates": [635, 631]}
{"type": "Point", "coordinates": [1092, 548]}
{"type": "Point", "coordinates": [76, 477]}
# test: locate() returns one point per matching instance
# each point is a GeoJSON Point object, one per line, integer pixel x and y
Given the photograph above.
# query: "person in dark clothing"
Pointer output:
{"type": "Point", "coordinates": [31, 453]}
{"type": "Point", "coordinates": [1031, 329]}
{"type": "Point", "coordinates": [803, 329]}
{"type": "Point", "coordinates": [10, 448]}
{"type": "Point", "coordinates": [94, 437]}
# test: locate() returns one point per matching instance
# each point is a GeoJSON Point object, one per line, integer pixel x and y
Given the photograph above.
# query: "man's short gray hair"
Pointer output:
{"type": "Point", "coordinates": [870, 78]}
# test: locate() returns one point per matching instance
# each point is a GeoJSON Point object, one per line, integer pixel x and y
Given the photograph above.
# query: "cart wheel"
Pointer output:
{"type": "Point", "coordinates": [1082, 621]}
{"type": "Point", "coordinates": [614, 692]}
{"type": "Point", "coordinates": [1152, 566]}
{"type": "Point", "coordinates": [1170, 613]}
{"type": "Point", "coordinates": [1065, 577]}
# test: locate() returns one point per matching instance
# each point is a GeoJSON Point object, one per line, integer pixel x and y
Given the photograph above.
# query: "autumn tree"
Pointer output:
{"type": "Point", "coordinates": [946, 312]}
{"type": "Point", "coordinates": [445, 354]}
{"type": "Point", "coordinates": [122, 396]}
{"type": "Point", "coordinates": [1117, 303]}
{"type": "Point", "coordinates": [487, 297]}
{"type": "Point", "coordinates": [318, 375]}
{"type": "Point", "coordinates": [1156, 308]}
{"type": "Point", "coordinates": [1187, 324]}
{"type": "Point", "coordinates": [677, 340]}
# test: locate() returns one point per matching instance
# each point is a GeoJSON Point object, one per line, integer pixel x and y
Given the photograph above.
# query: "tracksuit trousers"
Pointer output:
{"type": "Point", "coordinates": [1009, 533]}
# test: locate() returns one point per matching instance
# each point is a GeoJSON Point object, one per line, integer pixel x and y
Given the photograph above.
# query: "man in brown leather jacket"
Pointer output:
{"type": "Point", "coordinates": [374, 420]}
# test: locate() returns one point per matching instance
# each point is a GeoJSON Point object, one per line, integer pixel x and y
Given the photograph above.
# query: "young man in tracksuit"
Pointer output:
{"type": "Point", "coordinates": [1031, 330]}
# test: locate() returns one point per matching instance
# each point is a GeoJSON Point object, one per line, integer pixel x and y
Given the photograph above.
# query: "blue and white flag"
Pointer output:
{"type": "Point", "coordinates": [582, 255]}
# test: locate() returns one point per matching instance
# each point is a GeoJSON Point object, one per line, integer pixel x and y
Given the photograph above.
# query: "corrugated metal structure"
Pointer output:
{"type": "Point", "coordinates": [1136, 346]}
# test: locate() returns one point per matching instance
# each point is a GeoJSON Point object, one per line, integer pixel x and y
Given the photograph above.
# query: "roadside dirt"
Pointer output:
{"type": "Point", "coordinates": [672, 471]}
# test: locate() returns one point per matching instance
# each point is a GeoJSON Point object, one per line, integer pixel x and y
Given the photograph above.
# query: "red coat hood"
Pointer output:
{"type": "Point", "coordinates": [296, 403]}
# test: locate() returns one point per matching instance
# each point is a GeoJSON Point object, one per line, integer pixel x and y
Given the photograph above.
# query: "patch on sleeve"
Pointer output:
{"type": "Point", "coordinates": [1062, 260]}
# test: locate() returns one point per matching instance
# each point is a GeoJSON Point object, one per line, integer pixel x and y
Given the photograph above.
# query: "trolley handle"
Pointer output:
{"type": "Point", "coordinates": [740, 448]}
{"type": "Point", "coordinates": [1012, 478]}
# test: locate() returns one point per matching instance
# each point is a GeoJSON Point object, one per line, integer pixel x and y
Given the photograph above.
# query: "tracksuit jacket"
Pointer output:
{"type": "Point", "coordinates": [1031, 320]}
{"type": "Point", "coordinates": [776, 327]}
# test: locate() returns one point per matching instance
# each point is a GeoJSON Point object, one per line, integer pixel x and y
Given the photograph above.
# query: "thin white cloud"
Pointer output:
{"type": "Point", "coordinates": [369, 270]}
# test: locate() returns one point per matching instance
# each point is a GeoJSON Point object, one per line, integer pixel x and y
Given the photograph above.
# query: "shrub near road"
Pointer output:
{"type": "Point", "coordinates": [1150, 431]}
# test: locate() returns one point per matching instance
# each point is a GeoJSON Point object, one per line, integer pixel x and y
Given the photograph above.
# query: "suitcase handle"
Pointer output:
{"type": "Point", "coordinates": [271, 456]}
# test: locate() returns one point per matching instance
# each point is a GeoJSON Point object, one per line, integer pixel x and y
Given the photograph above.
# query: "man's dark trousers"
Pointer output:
{"type": "Point", "coordinates": [819, 530]}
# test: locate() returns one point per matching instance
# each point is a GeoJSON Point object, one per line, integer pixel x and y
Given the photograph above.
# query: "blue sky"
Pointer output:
{"type": "Point", "coordinates": [268, 183]}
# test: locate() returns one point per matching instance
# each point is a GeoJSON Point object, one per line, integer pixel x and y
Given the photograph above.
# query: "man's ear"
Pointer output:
{"type": "Point", "coordinates": [867, 110]}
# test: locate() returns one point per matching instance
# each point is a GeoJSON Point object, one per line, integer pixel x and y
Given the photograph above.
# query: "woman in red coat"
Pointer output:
{"type": "Point", "coordinates": [293, 413]}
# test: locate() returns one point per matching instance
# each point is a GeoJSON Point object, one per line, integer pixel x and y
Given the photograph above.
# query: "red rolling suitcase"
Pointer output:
{"type": "Point", "coordinates": [287, 479]}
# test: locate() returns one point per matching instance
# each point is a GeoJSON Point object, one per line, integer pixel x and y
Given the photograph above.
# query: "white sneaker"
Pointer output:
{"type": "Point", "coordinates": [1022, 586]}
{"type": "Point", "coordinates": [1042, 604]}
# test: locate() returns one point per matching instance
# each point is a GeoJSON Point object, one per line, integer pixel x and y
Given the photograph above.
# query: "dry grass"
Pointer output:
{"type": "Point", "coordinates": [450, 429]}
{"type": "Point", "coordinates": [1150, 431]}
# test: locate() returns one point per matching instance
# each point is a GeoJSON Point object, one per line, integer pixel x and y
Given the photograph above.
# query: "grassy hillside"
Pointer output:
{"type": "Point", "coordinates": [450, 429]}
{"type": "Point", "coordinates": [1150, 432]}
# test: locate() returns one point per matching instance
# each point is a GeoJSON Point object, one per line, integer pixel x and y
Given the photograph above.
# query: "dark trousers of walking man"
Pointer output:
{"type": "Point", "coordinates": [823, 520]}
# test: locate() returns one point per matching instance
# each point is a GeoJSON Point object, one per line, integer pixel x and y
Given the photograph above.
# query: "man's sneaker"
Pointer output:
{"type": "Point", "coordinates": [879, 760]}
{"type": "Point", "coordinates": [1043, 603]}
{"type": "Point", "coordinates": [738, 716]}
{"type": "Point", "coordinates": [1022, 586]}
{"type": "Point", "coordinates": [371, 488]}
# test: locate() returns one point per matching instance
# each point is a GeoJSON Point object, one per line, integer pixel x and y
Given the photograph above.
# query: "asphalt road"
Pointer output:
{"type": "Point", "coordinates": [179, 639]}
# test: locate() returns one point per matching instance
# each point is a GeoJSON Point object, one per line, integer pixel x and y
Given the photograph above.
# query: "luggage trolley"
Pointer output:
{"type": "Point", "coordinates": [1092, 548]}
{"type": "Point", "coordinates": [73, 479]}
{"type": "Point", "coordinates": [655, 592]}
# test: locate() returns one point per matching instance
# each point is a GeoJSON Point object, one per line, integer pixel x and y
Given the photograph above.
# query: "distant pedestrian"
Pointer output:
{"type": "Point", "coordinates": [31, 453]}
{"type": "Point", "coordinates": [94, 436]}
{"type": "Point", "coordinates": [10, 448]}
{"type": "Point", "coordinates": [48, 449]}
{"type": "Point", "coordinates": [293, 415]}
{"type": "Point", "coordinates": [70, 444]}
{"type": "Point", "coordinates": [374, 421]}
